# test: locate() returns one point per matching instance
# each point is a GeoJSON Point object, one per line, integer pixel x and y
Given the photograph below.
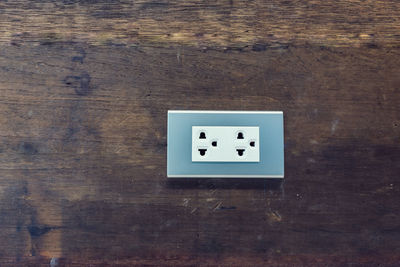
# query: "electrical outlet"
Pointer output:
{"type": "Point", "coordinates": [225, 144]}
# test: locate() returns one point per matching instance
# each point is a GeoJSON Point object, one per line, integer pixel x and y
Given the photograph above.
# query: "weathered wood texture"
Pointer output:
{"type": "Point", "coordinates": [84, 91]}
{"type": "Point", "coordinates": [203, 23]}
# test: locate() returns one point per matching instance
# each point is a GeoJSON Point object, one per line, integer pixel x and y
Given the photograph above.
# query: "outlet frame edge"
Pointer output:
{"type": "Point", "coordinates": [171, 173]}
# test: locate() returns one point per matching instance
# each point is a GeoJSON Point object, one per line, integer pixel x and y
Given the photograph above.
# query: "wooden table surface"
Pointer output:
{"type": "Point", "coordinates": [84, 91]}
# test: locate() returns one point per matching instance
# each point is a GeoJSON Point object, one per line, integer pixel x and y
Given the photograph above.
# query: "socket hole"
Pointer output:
{"type": "Point", "coordinates": [252, 144]}
{"type": "Point", "coordinates": [240, 152]}
{"type": "Point", "coordinates": [240, 135]}
{"type": "Point", "coordinates": [214, 143]}
{"type": "Point", "coordinates": [202, 135]}
{"type": "Point", "coordinates": [202, 151]}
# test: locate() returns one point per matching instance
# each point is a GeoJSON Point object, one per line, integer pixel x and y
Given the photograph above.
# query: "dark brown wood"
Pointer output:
{"type": "Point", "coordinates": [84, 91]}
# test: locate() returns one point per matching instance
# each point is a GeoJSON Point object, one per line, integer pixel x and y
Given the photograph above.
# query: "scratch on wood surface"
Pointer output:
{"type": "Point", "coordinates": [314, 142]}
{"type": "Point", "coordinates": [274, 216]}
{"type": "Point", "coordinates": [185, 202]}
{"type": "Point", "coordinates": [217, 206]}
{"type": "Point", "coordinates": [124, 119]}
{"type": "Point", "coordinates": [178, 55]}
{"type": "Point", "coordinates": [385, 189]}
{"type": "Point", "coordinates": [311, 160]}
{"type": "Point", "coordinates": [334, 125]}
{"type": "Point", "coordinates": [54, 262]}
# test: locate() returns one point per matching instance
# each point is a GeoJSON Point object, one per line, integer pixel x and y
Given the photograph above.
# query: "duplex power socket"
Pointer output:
{"type": "Point", "coordinates": [225, 144]}
{"type": "Point", "coordinates": [208, 144]}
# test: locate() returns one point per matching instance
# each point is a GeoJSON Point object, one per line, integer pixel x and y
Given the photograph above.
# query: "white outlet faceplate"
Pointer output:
{"type": "Point", "coordinates": [225, 144]}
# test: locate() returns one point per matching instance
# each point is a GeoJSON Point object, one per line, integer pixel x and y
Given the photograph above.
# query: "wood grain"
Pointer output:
{"type": "Point", "coordinates": [84, 91]}
{"type": "Point", "coordinates": [220, 24]}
